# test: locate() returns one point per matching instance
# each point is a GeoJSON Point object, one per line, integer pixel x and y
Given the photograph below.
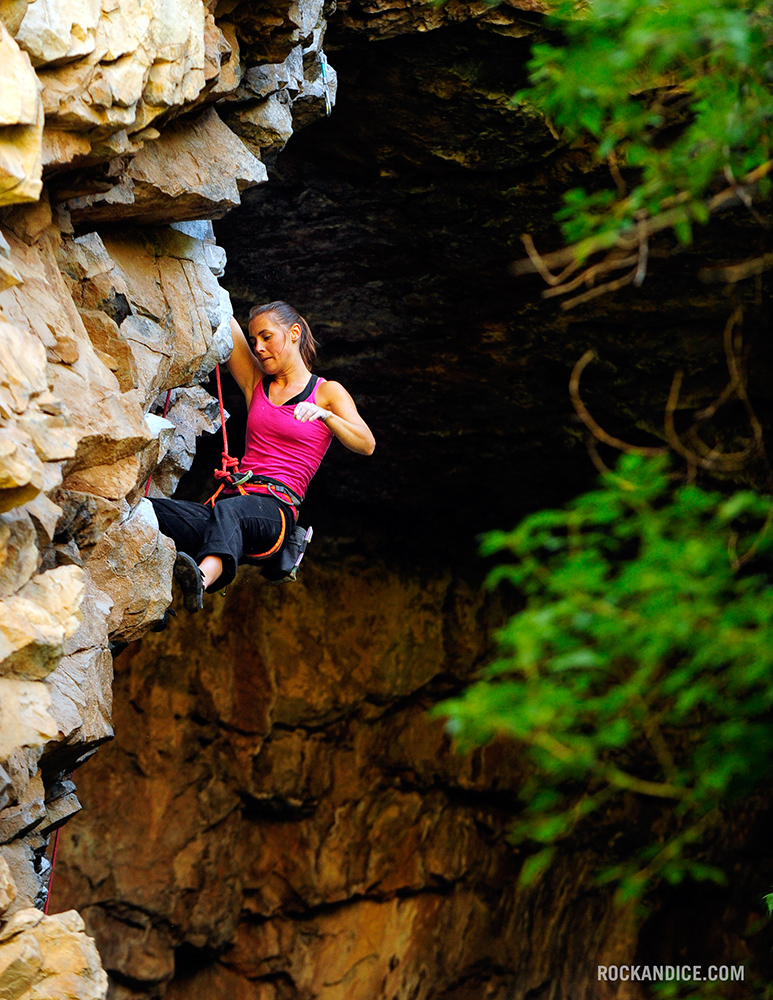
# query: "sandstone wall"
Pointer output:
{"type": "Point", "coordinates": [280, 819]}
{"type": "Point", "coordinates": [149, 116]}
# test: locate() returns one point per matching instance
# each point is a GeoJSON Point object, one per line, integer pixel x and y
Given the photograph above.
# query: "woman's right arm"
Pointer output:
{"type": "Point", "coordinates": [243, 364]}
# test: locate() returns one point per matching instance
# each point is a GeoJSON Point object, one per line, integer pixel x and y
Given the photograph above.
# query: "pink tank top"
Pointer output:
{"type": "Point", "coordinates": [279, 446]}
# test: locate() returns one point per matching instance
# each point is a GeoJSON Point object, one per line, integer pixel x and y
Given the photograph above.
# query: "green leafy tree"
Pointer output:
{"type": "Point", "coordinates": [675, 96]}
{"type": "Point", "coordinates": [641, 665]}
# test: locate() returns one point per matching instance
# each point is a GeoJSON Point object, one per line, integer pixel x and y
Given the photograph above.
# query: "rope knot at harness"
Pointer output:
{"type": "Point", "coordinates": [229, 466]}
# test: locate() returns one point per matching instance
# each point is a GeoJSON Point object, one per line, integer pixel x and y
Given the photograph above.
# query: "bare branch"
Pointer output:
{"type": "Point", "coordinates": [737, 272]}
{"type": "Point", "coordinates": [584, 414]}
{"type": "Point", "coordinates": [616, 247]}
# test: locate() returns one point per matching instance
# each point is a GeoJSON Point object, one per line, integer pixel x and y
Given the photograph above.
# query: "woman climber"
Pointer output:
{"type": "Point", "coordinates": [292, 418]}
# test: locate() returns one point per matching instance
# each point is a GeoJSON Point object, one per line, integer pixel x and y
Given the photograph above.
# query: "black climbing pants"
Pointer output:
{"type": "Point", "coordinates": [238, 527]}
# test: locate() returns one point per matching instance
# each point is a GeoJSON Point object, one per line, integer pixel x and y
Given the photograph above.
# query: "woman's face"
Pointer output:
{"type": "Point", "coordinates": [271, 343]}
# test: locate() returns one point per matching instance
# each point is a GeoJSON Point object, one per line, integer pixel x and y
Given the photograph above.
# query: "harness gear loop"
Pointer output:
{"type": "Point", "coordinates": [277, 544]}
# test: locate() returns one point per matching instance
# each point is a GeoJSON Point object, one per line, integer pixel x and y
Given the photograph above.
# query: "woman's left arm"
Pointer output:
{"type": "Point", "coordinates": [338, 410]}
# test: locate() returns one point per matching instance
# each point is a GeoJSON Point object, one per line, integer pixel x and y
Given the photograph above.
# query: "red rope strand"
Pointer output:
{"type": "Point", "coordinates": [229, 464]}
{"type": "Point", "coordinates": [53, 865]}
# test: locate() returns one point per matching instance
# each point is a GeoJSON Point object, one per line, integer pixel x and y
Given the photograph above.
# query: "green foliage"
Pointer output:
{"type": "Point", "coordinates": [678, 89]}
{"type": "Point", "coordinates": [640, 668]}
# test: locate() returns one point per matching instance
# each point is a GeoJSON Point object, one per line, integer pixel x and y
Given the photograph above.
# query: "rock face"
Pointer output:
{"type": "Point", "coordinates": [307, 830]}
{"type": "Point", "coordinates": [107, 115]}
{"type": "Point", "coordinates": [48, 958]}
{"type": "Point", "coordinates": [279, 818]}
{"type": "Point", "coordinates": [300, 827]}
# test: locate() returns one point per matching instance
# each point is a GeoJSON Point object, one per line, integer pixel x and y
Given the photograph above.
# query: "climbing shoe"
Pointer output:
{"type": "Point", "coordinates": [188, 575]}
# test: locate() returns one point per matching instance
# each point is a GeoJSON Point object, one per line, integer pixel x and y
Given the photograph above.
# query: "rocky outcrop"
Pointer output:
{"type": "Point", "coordinates": [279, 817]}
{"type": "Point", "coordinates": [111, 111]}
{"type": "Point", "coordinates": [49, 957]}
{"type": "Point", "coordinates": [301, 827]}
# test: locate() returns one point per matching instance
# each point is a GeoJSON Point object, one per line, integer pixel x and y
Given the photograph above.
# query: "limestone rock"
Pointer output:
{"type": "Point", "coordinates": [231, 68]}
{"type": "Point", "coordinates": [170, 284]}
{"type": "Point", "coordinates": [85, 517]}
{"type": "Point", "coordinates": [22, 857]}
{"type": "Point", "coordinates": [7, 887]}
{"type": "Point", "coordinates": [19, 97]}
{"type": "Point", "coordinates": [271, 37]}
{"type": "Point", "coordinates": [177, 177]}
{"type": "Point", "coordinates": [49, 958]}
{"type": "Point", "coordinates": [132, 947]}
{"type": "Point", "coordinates": [54, 32]}
{"type": "Point", "coordinates": [9, 276]}
{"type": "Point", "coordinates": [25, 720]}
{"type": "Point", "coordinates": [35, 621]}
{"type": "Point", "coordinates": [380, 21]}
{"type": "Point", "coordinates": [61, 803]}
{"type": "Point", "coordinates": [152, 350]}
{"type": "Point", "coordinates": [22, 369]}
{"type": "Point", "coordinates": [95, 609]}
{"type": "Point", "coordinates": [45, 516]}
{"type": "Point", "coordinates": [192, 412]}
{"type": "Point", "coordinates": [18, 551]}
{"type": "Point", "coordinates": [21, 472]}
{"type": "Point", "coordinates": [81, 704]}
{"type": "Point", "coordinates": [107, 426]}
{"type": "Point", "coordinates": [61, 148]}
{"type": "Point", "coordinates": [21, 125]}
{"type": "Point", "coordinates": [26, 814]}
{"type": "Point", "coordinates": [265, 125]}
{"type": "Point", "coordinates": [318, 89]}
{"type": "Point", "coordinates": [111, 346]}
{"type": "Point", "coordinates": [112, 71]}
{"type": "Point", "coordinates": [132, 564]}
{"type": "Point", "coordinates": [12, 13]}
{"type": "Point", "coordinates": [163, 431]}
{"type": "Point", "coordinates": [263, 80]}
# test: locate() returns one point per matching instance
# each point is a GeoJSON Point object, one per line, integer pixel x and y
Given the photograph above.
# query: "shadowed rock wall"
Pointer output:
{"type": "Point", "coordinates": [279, 817]}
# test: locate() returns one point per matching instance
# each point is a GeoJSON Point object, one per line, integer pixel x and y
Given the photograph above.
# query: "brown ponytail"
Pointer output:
{"type": "Point", "coordinates": [287, 317]}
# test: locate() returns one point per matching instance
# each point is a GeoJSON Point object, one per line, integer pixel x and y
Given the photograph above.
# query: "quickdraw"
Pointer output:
{"type": "Point", "coordinates": [325, 83]}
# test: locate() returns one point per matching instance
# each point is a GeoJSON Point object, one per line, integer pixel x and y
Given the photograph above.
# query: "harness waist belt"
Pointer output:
{"type": "Point", "coordinates": [259, 484]}
{"type": "Point", "coordinates": [273, 485]}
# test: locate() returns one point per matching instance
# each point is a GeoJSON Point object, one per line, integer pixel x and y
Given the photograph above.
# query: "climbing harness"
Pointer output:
{"type": "Point", "coordinates": [281, 562]}
{"type": "Point", "coordinates": [325, 83]}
